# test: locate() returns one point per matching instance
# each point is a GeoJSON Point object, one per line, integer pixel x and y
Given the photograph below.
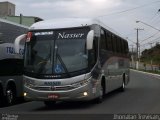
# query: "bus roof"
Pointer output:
{"type": "Point", "coordinates": [62, 23]}
{"type": "Point", "coordinates": [68, 23]}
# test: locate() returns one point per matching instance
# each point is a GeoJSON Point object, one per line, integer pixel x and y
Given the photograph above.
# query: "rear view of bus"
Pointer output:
{"type": "Point", "coordinates": [61, 62]}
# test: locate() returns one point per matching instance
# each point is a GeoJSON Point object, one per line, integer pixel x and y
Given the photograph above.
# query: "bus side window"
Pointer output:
{"type": "Point", "coordinates": [11, 67]}
{"type": "Point", "coordinates": [114, 43]}
{"type": "Point", "coordinates": [109, 41]}
{"type": "Point", "coordinates": [103, 44]}
{"type": "Point", "coordinates": [119, 45]}
{"type": "Point", "coordinates": [94, 53]}
{"type": "Point", "coordinates": [126, 47]}
{"type": "Point", "coordinates": [106, 40]}
{"type": "Point", "coordinates": [122, 46]}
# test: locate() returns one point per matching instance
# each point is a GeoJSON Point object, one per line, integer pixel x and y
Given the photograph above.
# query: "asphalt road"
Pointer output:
{"type": "Point", "coordinates": [142, 95]}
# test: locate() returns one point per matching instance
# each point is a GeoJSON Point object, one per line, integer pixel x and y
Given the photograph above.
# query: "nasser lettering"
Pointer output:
{"type": "Point", "coordinates": [71, 35]}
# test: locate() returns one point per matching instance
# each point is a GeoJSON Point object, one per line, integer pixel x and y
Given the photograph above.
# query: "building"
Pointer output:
{"type": "Point", "coordinates": [24, 20]}
{"type": "Point", "coordinates": [7, 12]}
{"type": "Point", "coordinates": [7, 9]}
{"type": "Point", "coordinates": [9, 30]}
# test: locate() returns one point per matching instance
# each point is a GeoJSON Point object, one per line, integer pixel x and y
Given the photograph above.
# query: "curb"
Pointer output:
{"type": "Point", "coordinates": [152, 74]}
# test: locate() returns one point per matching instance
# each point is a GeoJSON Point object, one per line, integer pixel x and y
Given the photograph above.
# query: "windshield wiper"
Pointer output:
{"type": "Point", "coordinates": [63, 64]}
{"type": "Point", "coordinates": [43, 65]}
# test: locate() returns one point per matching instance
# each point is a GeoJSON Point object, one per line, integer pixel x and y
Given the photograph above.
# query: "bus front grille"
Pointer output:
{"type": "Point", "coordinates": [53, 88]}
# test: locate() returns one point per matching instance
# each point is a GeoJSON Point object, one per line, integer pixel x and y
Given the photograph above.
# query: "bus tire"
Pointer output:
{"type": "Point", "coordinates": [10, 94]}
{"type": "Point", "coordinates": [49, 103]}
{"type": "Point", "coordinates": [99, 99]}
{"type": "Point", "coordinates": [1, 96]}
{"type": "Point", "coordinates": [122, 88]}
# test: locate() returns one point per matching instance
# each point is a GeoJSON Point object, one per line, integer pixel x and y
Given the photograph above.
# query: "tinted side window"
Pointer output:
{"type": "Point", "coordinates": [109, 41]}
{"type": "Point", "coordinates": [119, 45]}
{"type": "Point", "coordinates": [93, 53]}
{"type": "Point", "coordinates": [114, 43]}
{"type": "Point", "coordinates": [125, 47]}
{"type": "Point", "coordinates": [122, 46]}
{"type": "Point", "coordinates": [103, 44]}
{"type": "Point", "coordinates": [11, 67]}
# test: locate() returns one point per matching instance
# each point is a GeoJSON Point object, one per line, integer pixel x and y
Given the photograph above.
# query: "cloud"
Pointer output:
{"type": "Point", "coordinates": [123, 23]}
{"type": "Point", "coordinates": [76, 8]}
{"type": "Point", "coordinates": [41, 5]}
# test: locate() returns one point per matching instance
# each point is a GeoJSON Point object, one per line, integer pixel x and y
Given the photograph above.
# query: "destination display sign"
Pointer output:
{"type": "Point", "coordinates": [80, 33]}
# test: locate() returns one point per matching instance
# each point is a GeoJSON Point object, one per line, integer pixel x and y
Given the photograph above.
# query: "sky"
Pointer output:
{"type": "Point", "coordinates": [120, 15]}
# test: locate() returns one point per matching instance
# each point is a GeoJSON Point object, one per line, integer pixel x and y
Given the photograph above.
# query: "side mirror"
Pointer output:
{"type": "Point", "coordinates": [17, 42]}
{"type": "Point", "coordinates": [90, 38]}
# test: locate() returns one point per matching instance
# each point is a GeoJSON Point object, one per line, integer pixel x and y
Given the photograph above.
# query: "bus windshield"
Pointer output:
{"type": "Point", "coordinates": [56, 52]}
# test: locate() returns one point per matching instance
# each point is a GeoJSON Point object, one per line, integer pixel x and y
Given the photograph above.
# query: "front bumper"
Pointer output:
{"type": "Point", "coordinates": [76, 94]}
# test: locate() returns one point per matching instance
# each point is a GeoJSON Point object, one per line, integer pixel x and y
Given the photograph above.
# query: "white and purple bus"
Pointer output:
{"type": "Point", "coordinates": [73, 60]}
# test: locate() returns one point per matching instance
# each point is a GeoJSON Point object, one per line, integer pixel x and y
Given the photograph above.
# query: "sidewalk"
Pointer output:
{"type": "Point", "coordinates": [146, 67]}
{"type": "Point", "coordinates": [151, 74]}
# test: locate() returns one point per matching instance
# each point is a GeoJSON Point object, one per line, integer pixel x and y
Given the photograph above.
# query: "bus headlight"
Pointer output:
{"type": "Point", "coordinates": [29, 83]}
{"type": "Point", "coordinates": [85, 93]}
{"type": "Point", "coordinates": [24, 94]}
{"type": "Point", "coordinates": [80, 83]}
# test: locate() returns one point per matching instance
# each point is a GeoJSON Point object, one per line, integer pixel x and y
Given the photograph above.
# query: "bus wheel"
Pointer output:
{"type": "Point", "coordinates": [1, 96]}
{"type": "Point", "coordinates": [10, 95]}
{"type": "Point", "coordinates": [122, 88]}
{"type": "Point", "coordinates": [100, 98]}
{"type": "Point", "coordinates": [49, 103]}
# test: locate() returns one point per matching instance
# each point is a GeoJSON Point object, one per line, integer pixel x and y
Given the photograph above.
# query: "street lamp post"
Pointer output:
{"type": "Point", "coordinates": [148, 25]}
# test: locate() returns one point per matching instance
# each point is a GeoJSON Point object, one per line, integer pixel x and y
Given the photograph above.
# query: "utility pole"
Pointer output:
{"type": "Point", "coordinates": [137, 55]}
{"type": "Point", "coordinates": [132, 57]}
{"type": "Point", "coordinates": [151, 59]}
{"type": "Point", "coordinates": [132, 48]}
{"type": "Point", "coordinates": [139, 52]}
{"type": "Point", "coordinates": [151, 43]}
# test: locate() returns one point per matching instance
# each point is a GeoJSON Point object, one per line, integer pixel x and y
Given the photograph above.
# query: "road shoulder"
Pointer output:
{"type": "Point", "coordinates": [151, 74]}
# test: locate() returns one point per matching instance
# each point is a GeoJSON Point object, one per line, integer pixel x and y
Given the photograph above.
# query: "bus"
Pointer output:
{"type": "Point", "coordinates": [11, 70]}
{"type": "Point", "coordinates": [11, 64]}
{"type": "Point", "coordinates": [73, 60]}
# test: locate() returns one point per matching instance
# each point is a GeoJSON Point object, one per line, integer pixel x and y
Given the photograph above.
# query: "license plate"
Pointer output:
{"type": "Point", "coordinates": [53, 96]}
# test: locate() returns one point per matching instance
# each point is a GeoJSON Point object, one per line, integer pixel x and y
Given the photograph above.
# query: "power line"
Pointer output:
{"type": "Point", "coordinates": [148, 25]}
{"type": "Point", "coordinates": [131, 41]}
{"type": "Point", "coordinates": [130, 34]}
{"type": "Point", "coordinates": [154, 40]}
{"type": "Point", "coordinates": [149, 37]}
{"type": "Point", "coordinates": [124, 11]}
{"type": "Point", "coordinates": [158, 21]}
{"type": "Point", "coordinates": [152, 18]}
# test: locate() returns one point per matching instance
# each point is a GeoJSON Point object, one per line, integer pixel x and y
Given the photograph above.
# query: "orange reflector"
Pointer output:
{"type": "Point", "coordinates": [29, 35]}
